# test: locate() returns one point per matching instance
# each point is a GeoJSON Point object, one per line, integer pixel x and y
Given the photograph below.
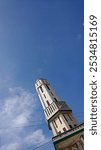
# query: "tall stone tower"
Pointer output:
{"type": "Point", "coordinates": [67, 132]}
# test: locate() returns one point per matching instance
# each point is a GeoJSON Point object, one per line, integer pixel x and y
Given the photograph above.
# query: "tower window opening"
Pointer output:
{"type": "Point", "coordinates": [44, 95]}
{"type": "Point", "coordinates": [59, 132]}
{"type": "Point", "coordinates": [52, 93]}
{"type": "Point", "coordinates": [65, 117]}
{"type": "Point", "coordinates": [64, 129]}
{"type": "Point", "coordinates": [75, 125]}
{"type": "Point", "coordinates": [55, 124]}
{"type": "Point", "coordinates": [60, 120]}
{"type": "Point", "coordinates": [70, 126]}
{"type": "Point", "coordinates": [48, 103]}
{"type": "Point", "coordinates": [70, 117]}
{"type": "Point", "coordinates": [47, 87]}
{"type": "Point", "coordinates": [41, 89]}
{"type": "Point", "coordinates": [55, 99]}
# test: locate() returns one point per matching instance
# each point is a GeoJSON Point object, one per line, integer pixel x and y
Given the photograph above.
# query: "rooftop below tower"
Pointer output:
{"type": "Point", "coordinates": [67, 138]}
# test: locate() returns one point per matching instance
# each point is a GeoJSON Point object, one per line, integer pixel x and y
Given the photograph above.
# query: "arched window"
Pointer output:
{"type": "Point", "coordinates": [60, 120]}
{"type": "Point", "coordinates": [48, 103]}
{"type": "Point", "coordinates": [41, 89]}
{"type": "Point", "coordinates": [64, 129]}
{"type": "Point", "coordinates": [70, 126]}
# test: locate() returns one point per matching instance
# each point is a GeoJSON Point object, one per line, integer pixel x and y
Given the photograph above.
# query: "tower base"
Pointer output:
{"type": "Point", "coordinates": [70, 140]}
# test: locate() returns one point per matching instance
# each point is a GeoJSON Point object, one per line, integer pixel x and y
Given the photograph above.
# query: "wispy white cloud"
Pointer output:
{"type": "Point", "coordinates": [21, 119]}
{"type": "Point", "coordinates": [38, 137]}
{"type": "Point", "coordinates": [10, 146]}
{"type": "Point", "coordinates": [16, 107]}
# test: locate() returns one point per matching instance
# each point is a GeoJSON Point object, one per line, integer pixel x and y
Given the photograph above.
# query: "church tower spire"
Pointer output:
{"type": "Point", "coordinates": [58, 115]}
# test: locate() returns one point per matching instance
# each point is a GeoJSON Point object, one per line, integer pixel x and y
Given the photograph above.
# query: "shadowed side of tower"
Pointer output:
{"type": "Point", "coordinates": [67, 132]}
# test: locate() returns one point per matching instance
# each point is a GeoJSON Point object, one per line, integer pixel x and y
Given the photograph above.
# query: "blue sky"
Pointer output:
{"type": "Point", "coordinates": [38, 38]}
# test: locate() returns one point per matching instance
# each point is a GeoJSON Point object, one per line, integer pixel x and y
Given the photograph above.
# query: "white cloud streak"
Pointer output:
{"type": "Point", "coordinates": [38, 137]}
{"type": "Point", "coordinates": [15, 109]}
